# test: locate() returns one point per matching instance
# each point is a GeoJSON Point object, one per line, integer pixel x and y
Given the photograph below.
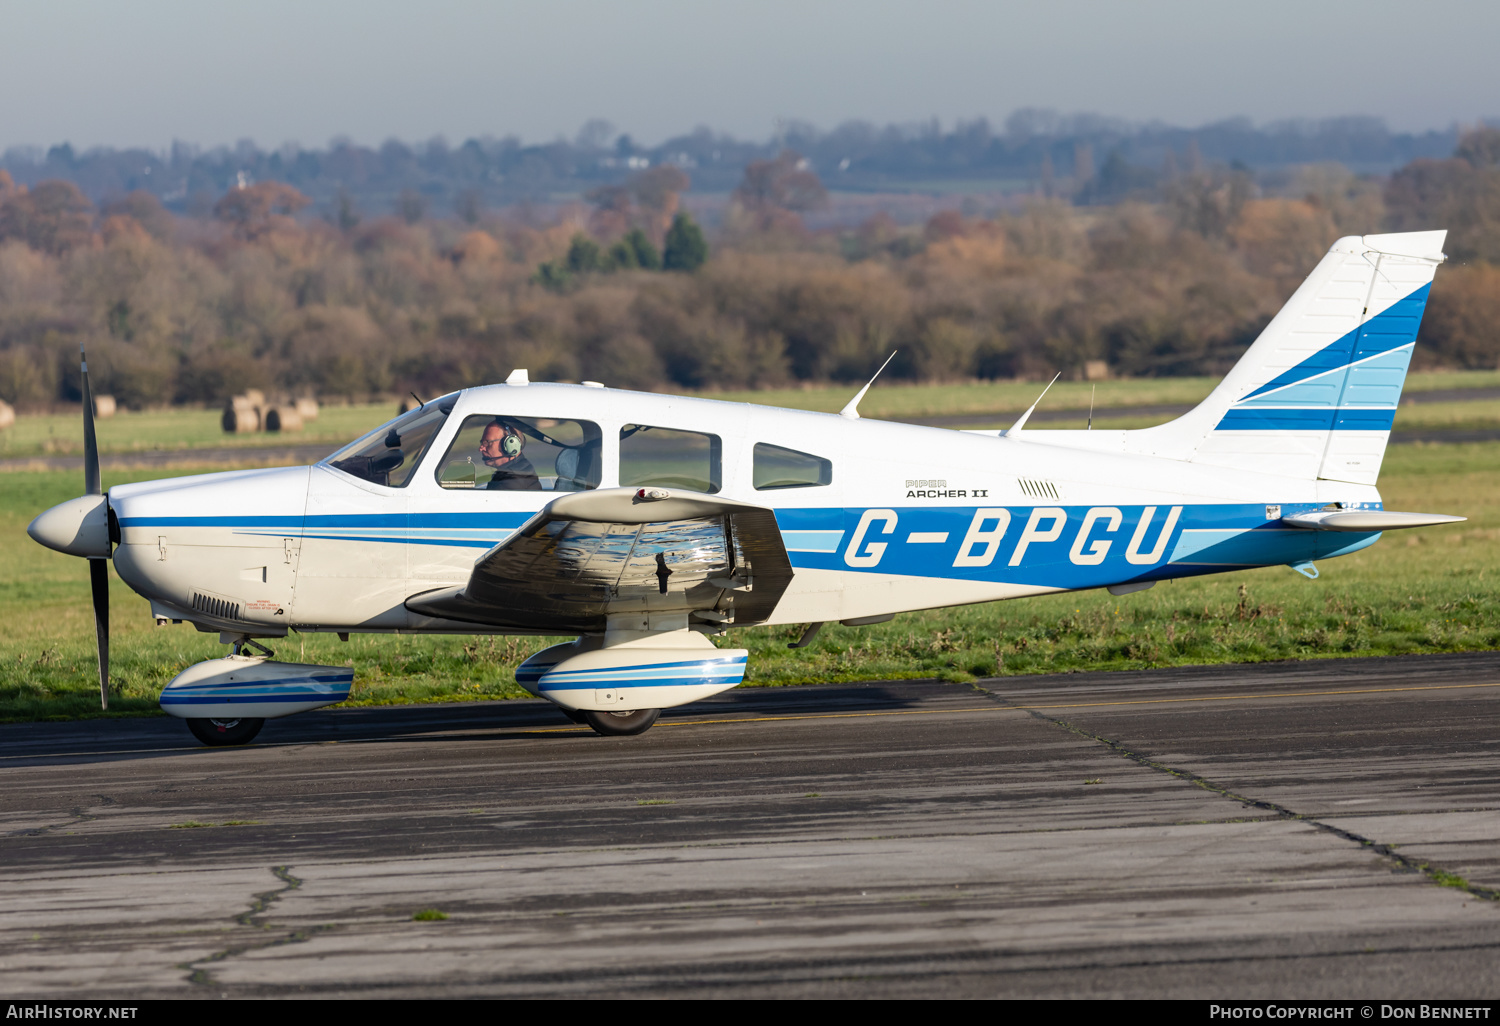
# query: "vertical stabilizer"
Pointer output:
{"type": "Point", "coordinates": [1316, 394]}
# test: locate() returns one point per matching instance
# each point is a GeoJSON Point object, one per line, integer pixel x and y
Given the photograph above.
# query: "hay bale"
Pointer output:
{"type": "Point", "coordinates": [283, 418]}
{"type": "Point", "coordinates": [255, 397]}
{"type": "Point", "coordinates": [104, 406]}
{"type": "Point", "coordinates": [7, 415]}
{"type": "Point", "coordinates": [239, 421]}
{"type": "Point", "coordinates": [307, 408]}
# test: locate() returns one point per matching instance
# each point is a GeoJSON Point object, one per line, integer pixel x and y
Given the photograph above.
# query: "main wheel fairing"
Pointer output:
{"type": "Point", "coordinates": [644, 671]}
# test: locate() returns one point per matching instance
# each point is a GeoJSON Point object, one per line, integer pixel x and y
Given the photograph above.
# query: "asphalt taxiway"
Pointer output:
{"type": "Point", "coordinates": [1312, 829]}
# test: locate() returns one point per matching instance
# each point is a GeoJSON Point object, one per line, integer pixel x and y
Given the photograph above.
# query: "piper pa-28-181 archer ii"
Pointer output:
{"type": "Point", "coordinates": [644, 523]}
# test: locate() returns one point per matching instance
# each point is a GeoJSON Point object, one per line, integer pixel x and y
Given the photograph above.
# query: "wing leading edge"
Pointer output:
{"type": "Point", "coordinates": [591, 557]}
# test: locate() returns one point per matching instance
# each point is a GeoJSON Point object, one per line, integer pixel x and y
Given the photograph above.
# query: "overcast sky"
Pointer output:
{"type": "Point", "coordinates": [144, 73]}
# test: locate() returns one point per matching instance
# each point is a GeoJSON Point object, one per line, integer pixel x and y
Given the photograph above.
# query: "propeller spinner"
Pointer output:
{"type": "Point", "coordinates": [80, 527]}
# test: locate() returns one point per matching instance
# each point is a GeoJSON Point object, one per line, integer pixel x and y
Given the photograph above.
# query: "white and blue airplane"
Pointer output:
{"type": "Point", "coordinates": [644, 524]}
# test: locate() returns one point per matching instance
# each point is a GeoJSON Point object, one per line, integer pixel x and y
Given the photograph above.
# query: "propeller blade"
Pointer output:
{"type": "Point", "coordinates": [99, 581]}
{"type": "Point", "coordinates": [90, 443]}
{"type": "Point", "coordinates": [98, 568]}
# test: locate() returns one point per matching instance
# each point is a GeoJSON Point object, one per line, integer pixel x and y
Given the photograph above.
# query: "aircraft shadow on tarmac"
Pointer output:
{"type": "Point", "coordinates": [107, 740]}
{"type": "Point", "coordinates": [112, 740]}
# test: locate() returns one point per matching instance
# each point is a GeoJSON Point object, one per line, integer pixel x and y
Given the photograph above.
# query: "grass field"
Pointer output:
{"type": "Point", "coordinates": [895, 400]}
{"type": "Point", "coordinates": [1471, 415]}
{"type": "Point", "coordinates": [1418, 591]}
{"type": "Point", "coordinates": [131, 431]}
{"type": "Point", "coordinates": [989, 402]}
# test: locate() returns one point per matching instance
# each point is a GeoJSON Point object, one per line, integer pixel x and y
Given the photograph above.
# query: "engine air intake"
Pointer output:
{"type": "Point", "coordinates": [221, 608]}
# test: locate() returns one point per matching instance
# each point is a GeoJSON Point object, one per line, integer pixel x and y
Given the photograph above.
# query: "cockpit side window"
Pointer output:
{"type": "Point", "coordinates": [777, 467]}
{"type": "Point", "coordinates": [652, 455]}
{"type": "Point", "coordinates": [496, 452]}
{"type": "Point", "coordinates": [390, 454]}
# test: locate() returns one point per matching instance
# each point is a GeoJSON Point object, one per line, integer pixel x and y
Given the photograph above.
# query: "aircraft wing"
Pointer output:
{"type": "Point", "coordinates": [590, 556]}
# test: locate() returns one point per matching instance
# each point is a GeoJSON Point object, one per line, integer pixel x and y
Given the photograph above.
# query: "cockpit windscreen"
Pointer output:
{"type": "Point", "coordinates": [389, 454]}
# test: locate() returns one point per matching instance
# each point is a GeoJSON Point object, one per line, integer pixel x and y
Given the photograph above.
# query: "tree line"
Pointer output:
{"type": "Point", "coordinates": [1057, 152]}
{"type": "Point", "coordinates": [624, 287]}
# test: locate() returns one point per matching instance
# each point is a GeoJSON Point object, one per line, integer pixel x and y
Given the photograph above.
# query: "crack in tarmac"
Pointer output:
{"type": "Point", "coordinates": [1434, 874]}
{"type": "Point", "coordinates": [78, 815]}
{"type": "Point", "coordinates": [252, 917]}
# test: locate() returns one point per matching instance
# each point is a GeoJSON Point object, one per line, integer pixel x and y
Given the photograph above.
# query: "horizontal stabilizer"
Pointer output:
{"type": "Point", "coordinates": [1366, 520]}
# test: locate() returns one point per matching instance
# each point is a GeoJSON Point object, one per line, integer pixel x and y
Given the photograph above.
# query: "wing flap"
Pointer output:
{"type": "Point", "coordinates": [588, 556]}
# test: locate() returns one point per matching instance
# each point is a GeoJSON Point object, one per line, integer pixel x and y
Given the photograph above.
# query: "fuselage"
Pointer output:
{"type": "Point", "coordinates": [885, 518]}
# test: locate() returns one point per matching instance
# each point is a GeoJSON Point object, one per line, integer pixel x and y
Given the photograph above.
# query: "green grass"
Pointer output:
{"type": "Point", "coordinates": [893, 400]}
{"type": "Point", "coordinates": [1450, 416]}
{"type": "Point", "coordinates": [429, 915]}
{"type": "Point", "coordinates": [1433, 590]}
{"type": "Point", "coordinates": [1446, 879]}
{"type": "Point", "coordinates": [186, 429]}
{"type": "Point", "coordinates": [890, 400]}
{"type": "Point", "coordinates": [1467, 415]}
{"type": "Point", "coordinates": [1429, 381]}
{"type": "Point", "coordinates": [176, 429]}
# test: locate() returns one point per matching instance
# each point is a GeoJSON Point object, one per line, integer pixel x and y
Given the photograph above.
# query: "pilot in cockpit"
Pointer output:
{"type": "Point", "coordinates": [500, 448]}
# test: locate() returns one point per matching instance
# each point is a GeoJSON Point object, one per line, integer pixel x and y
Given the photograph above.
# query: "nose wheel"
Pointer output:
{"type": "Point", "coordinates": [621, 724]}
{"type": "Point", "coordinates": [219, 733]}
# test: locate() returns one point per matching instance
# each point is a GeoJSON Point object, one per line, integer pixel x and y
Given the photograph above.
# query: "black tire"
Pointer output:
{"type": "Point", "coordinates": [219, 733]}
{"type": "Point", "coordinates": [621, 724]}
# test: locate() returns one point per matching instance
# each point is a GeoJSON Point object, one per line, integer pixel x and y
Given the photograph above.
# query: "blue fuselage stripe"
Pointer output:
{"type": "Point", "coordinates": [965, 542]}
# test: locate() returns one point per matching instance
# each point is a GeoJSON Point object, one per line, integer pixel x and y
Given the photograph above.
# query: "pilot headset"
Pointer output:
{"type": "Point", "coordinates": [512, 442]}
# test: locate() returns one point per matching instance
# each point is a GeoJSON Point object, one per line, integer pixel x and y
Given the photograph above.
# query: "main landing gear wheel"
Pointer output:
{"type": "Point", "coordinates": [228, 732]}
{"type": "Point", "coordinates": [621, 724]}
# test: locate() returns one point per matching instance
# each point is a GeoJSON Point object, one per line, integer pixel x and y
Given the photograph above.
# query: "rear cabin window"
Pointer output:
{"type": "Point", "coordinates": [651, 455]}
{"type": "Point", "coordinates": [776, 467]}
{"type": "Point", "coordinates": [494, 452]}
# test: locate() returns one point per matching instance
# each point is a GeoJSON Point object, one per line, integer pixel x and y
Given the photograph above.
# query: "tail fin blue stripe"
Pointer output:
{"type": "Point", "coordinates": [1392, 328]}
{"type": "Point", "coordinates": [1263, 418]}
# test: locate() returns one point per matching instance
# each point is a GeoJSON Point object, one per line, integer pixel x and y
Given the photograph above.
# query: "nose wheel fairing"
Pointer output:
{"type": "Point", "coordinates": [253, 687]}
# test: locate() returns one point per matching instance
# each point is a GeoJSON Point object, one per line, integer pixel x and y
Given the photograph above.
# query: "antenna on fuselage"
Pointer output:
{"type": "Point", "coordinates": [852, 410]}
{"type": "Point", "coordinates": [1015, 429]}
